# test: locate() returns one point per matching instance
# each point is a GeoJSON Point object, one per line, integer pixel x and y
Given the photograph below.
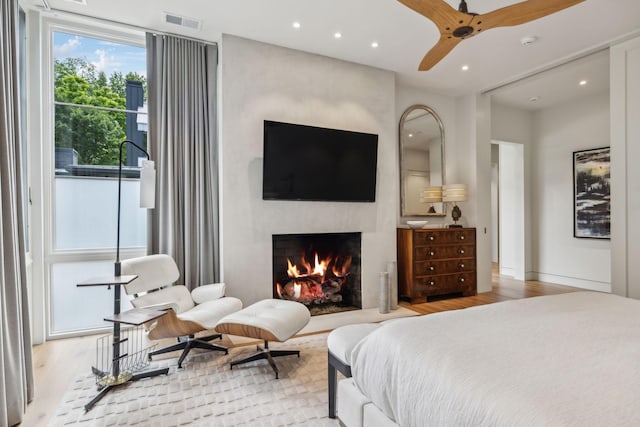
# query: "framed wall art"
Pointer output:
{"type": "Point", "coordinates": [592, 193]}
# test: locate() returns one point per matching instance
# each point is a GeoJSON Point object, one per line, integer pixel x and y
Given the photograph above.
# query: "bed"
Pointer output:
{"type": "Point", "coordinates": [563, 360]}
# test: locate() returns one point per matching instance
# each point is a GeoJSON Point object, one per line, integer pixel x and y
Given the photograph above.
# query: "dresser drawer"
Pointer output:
{"type": "Point", "coordinates": [446, 283]}
{"type": "Point", "coordinates": [428, 237]}
{"type": "Point", "coordinates": [423, 253]}
{"type": "Point", "coordinates": [443, 267]}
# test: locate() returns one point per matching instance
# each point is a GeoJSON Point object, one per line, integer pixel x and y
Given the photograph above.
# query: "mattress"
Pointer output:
{"type": "Point", "coordinates": [562, 360]}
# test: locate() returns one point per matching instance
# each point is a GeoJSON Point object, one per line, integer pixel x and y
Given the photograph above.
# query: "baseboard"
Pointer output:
{"type": "Point", "coordinates": [591, 285]}
{"type": "Point", "coordinates": [506, 271]}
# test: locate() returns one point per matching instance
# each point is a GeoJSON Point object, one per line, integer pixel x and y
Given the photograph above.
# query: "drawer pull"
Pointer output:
{"type": "Point", "coordinates": [461, 237]}
{"type": "Point", "coordinates": [431, 268]}
{"type": "Point", "coordinates": [461, 266]}
{"type": "Point", "coordinates": [431, 283]}
{"type": "Point", "coordinates": [432, 238]}
{"type": "Point", "coordinates": [431, 253]}
{"type": "Point", "coordinates": [461, 251]}
{"type": "Point", "coordinates": [461, 280]}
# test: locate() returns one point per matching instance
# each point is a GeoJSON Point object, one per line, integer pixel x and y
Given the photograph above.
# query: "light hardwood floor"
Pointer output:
{"type": "Point", "coordinates": [58, 362]}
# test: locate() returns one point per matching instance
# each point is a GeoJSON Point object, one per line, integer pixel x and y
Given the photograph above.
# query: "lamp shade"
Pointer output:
{"type": "Point", "coordinates": [431, 195]}
{"type": "Point", "coordinates": [147, 185]}
{"type": "Point", "coordinates": [454, 193]}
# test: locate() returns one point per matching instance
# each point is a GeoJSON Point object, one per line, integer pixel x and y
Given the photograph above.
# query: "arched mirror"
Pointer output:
{"type": "Point", "coordinates": [421, 136]}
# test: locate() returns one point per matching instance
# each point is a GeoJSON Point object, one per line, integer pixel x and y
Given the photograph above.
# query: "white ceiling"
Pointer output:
{"type": "Point", "coordinates": [495, 57]}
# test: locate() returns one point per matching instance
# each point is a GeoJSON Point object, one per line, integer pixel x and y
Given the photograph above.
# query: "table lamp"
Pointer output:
{"type": "Point", "coordinates": [454, 193]}
{"type": "Point", "coordinates": [431, 195]}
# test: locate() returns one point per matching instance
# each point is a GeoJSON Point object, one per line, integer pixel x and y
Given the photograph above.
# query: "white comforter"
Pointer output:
{"type": "Point", "coordinates": [562, 360]}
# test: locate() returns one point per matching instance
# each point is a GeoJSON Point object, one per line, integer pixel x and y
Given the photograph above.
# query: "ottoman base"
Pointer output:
{"type": "Point", "coordinates": [266, 353]}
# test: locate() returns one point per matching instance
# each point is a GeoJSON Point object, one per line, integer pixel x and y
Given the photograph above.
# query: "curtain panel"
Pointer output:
{"type": "Point", "coordinates": [182, 138]}
{"type": "Point", "coordinates": [16, 370]}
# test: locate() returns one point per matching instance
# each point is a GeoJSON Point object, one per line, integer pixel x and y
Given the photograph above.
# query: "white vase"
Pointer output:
{"type": "Point", "coordinates": [393, 285]}
{"type": "Point", "coordinates": [384, 292]}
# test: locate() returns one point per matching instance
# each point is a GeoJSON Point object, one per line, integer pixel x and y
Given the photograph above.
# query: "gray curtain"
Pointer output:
{"type": "Point", "coordinates": [16, 370]}
{"type": "Point", "coordinates": [182, 140]}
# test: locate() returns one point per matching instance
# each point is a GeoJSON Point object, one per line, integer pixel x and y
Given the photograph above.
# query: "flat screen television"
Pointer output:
{"type": "Point", "coordinates": [318, 164]}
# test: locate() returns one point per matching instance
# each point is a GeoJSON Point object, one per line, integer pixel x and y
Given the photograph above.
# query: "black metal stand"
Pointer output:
{"type": "Point", "coordinates": [266, 353]}
{"type": "Point", "coordinates": [335, 365]}
{"type": "Point", "coordinates": [188, 344]}
{"type": "Point", "coordinates": [134, 317]}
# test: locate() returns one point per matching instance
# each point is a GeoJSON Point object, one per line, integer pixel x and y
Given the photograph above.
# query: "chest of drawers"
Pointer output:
{"type": "Point", "coordinates": [436, 262]}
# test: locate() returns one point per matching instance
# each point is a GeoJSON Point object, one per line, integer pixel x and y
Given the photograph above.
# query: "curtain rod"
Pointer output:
{"type": "Point", "coordinates": [122, 24]}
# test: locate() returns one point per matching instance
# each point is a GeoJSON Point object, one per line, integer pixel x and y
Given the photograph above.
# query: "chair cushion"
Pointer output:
{"type": "Point", "coordinates": [267, 319]}
{"type": "Point", "coordinates": [154, 272]}
{"type": "Point", "coordinates": [177, 295]}
{"type": "Point", "coordinates": [208, 292]}
{"type": "Point", "coordinates": [342, 340]}
{"type": "Point", "coordinates": [209, 313]}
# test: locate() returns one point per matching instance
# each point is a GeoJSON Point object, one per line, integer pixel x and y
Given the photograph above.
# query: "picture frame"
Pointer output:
{"type": "Point", "coordinates": [592, 193]}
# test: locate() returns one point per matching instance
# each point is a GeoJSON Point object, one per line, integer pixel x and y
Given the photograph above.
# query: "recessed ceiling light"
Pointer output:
{"type": "Point", "coordinates": [465, 68]}
{"type": "Point", "coordinates": [337, 35]}
{"type": "Point", "coordinates": [583, 82]}
{"type": "Point", "coordinates": [410, 135]}
{"type": "Point", "coordinates": [374, 44]}
{"type": "Point", "coordinates": [296, 25]}
{"type": "Point", "coordinates": [534, 98]}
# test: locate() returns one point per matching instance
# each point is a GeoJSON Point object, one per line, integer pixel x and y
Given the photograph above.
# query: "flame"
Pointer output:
{"type": "Point", "coordinates": [279, 290]}
{"type": "Point", "coordinates": [296, 290]}
{"type": "Point", "coordinates": [292, 270]}
{"type": "Point", "coordinates": [344, 270]}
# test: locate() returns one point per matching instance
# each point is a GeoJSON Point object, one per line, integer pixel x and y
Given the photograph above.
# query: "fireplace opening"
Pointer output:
{"type": "Point", "coordinates": [321, 271]}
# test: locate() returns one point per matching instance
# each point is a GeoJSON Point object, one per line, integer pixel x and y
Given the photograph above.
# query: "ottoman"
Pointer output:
{"type": "Point", "coordinates": [267, 320]}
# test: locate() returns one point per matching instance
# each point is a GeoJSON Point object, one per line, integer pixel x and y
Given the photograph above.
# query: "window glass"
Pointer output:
{"type": "Point", "coordinates": [99, 101]}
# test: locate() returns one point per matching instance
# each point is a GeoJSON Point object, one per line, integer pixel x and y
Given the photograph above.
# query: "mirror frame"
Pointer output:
{"type": "Point", "coordinates": [442, 157]}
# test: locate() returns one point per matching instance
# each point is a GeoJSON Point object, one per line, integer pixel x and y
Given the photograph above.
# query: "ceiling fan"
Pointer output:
{"type": "Point", "coordinates": [457, 25]}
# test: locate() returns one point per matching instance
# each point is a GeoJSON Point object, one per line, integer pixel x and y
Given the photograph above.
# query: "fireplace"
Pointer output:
{"type": "Point", "coordinates": [321, 271]}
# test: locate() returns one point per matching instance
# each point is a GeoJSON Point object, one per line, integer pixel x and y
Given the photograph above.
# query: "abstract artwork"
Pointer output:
{"type": "Point", "coordinates": [591, 193]}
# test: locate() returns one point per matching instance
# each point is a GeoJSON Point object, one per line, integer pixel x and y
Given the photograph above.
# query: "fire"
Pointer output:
{"type": "Point", "coordinates": [319, 283]}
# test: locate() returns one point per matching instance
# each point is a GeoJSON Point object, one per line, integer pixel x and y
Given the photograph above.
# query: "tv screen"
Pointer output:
{"type": "Point", "coordinates": [318, 164]}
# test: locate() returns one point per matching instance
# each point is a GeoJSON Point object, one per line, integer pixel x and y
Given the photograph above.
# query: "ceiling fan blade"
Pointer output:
{"type": "Point", "coordinates": [438, 11]}
{"type": "Point", "coordinates": [439, 51]}
{"type": "Point", "coordinates": [521, 13]}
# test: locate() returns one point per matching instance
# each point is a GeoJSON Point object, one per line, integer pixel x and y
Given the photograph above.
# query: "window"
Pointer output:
{"type": "Point", "coordinates": [99, 98]}
{"type": "Point", "coordinates": [98, 87]}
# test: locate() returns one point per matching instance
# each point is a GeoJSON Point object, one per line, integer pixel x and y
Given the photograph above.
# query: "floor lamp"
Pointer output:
{"type": "Point", "coordinates": [147, 192]}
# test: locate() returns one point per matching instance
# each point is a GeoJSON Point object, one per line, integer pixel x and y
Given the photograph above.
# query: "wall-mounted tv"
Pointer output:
{"type": "Point", "coordinates": [318, 164]}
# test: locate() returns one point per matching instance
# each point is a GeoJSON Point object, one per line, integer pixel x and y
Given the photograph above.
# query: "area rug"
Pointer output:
{"type": "Point", "coordinates": [206, 392]}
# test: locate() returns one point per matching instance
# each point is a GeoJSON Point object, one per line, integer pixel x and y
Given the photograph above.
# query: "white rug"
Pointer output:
{"type": "Point", "coordinates": [207, 393]}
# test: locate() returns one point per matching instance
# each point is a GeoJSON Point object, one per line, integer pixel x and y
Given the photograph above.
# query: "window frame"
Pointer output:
{"type": "Point", "coordinates": [84, 27]}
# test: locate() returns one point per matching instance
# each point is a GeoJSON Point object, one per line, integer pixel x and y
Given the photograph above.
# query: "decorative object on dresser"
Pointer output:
{"type": "Point", "coordinates": [436, 263]}
{"type": "Point", "coordinates": [454, 193]}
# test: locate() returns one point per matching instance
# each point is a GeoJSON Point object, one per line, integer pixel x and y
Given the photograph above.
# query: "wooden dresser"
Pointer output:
{"type": "Point", "coordinates": [436, 262]}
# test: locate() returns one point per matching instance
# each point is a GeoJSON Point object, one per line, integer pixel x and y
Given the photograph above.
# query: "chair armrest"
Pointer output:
{"type": "Point", "coordinates": [162, 306]}
{"type": "Point", "coordinates": [208, 292]}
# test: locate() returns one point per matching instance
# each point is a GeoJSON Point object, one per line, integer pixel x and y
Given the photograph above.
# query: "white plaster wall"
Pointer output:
{"type": "Point", "coordinates": [472, 155]}
{"type": "Point", "coordinates": [625, 175]}
{"type": "Point", "coordinates": [558, 132]}
{"type": "Point", "coordinates": [514, 125]}
{"type": "Point", "coordinates": [260, 81]}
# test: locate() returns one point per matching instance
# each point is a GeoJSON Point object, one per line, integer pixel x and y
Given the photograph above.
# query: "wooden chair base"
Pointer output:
{"type": "Point", "coordinates": [191, 342]}
{"type": "Point", "coordinates": [266, 353]}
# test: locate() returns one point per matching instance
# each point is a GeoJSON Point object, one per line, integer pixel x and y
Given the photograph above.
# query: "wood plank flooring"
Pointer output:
{"type": "Point", "coordinates": [58, 362]}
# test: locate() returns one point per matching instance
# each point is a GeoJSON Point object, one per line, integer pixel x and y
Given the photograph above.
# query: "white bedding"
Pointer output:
{"type": "Point", "coordinates": [562, 360]}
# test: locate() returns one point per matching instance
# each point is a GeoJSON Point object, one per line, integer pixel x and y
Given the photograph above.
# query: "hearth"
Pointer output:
{"type": "Point", "coordinates": [320, 270]}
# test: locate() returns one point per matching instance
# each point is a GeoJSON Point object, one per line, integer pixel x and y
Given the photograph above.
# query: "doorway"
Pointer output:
{"type": "Point", "coordinates": [508, 208]}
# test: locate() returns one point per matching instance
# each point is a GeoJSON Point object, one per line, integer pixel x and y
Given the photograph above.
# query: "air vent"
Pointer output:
{"type": "Point", "coordinates": [172, 18]}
